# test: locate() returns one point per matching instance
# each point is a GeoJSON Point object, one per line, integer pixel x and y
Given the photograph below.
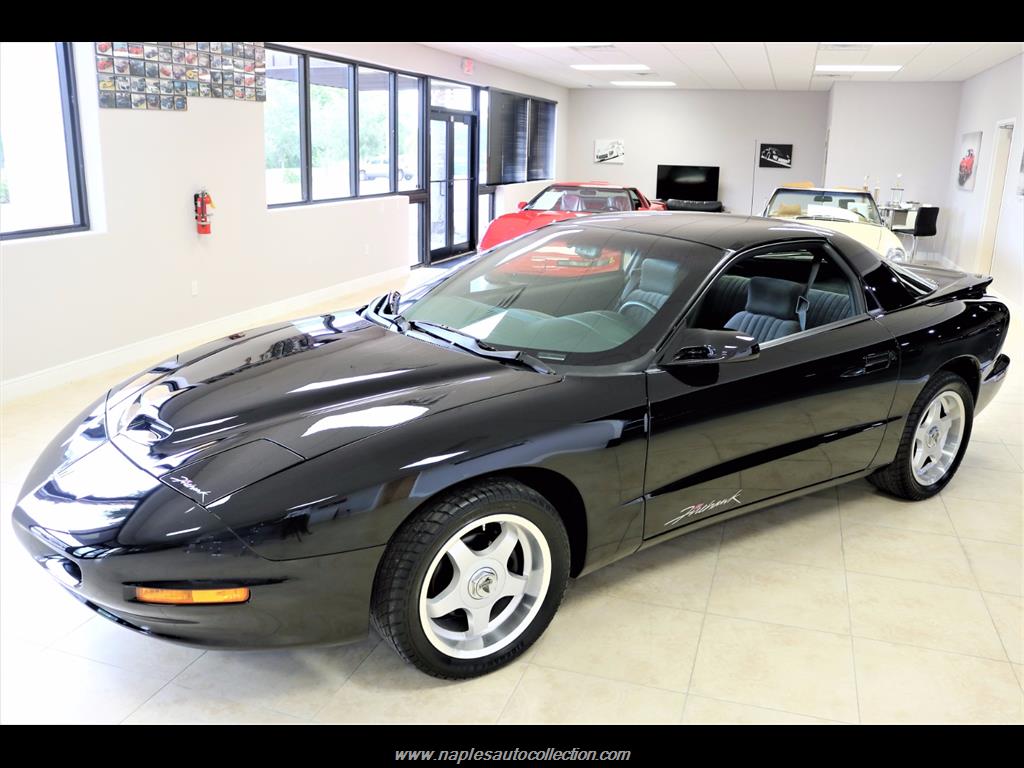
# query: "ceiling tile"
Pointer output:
{"type": "Point", "coordinates": [933, 59]}
{"type": "Point", "coordinates": [705, 61]}
{"type": "Point", "coordinates": [749, 62]}
{"type": "Point", "coordinates": [988, 55]}
{"type": "Point", "coordinates": [792, 64]}
{"type": "Point", "coordinates": [840, 57]}
{"type": "Point", "coordinates": [892, 54]}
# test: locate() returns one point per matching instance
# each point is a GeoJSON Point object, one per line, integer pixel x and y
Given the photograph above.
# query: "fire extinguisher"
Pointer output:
{"type": "Point", "coordinates": [201, 202]}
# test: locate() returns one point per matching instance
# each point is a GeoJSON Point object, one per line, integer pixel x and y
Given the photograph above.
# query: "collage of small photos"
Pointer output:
{"type": "Point", "coordinates": [163, 75]}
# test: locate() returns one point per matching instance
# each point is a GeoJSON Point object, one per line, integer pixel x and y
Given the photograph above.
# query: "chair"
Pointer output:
{"type": "Point", "coordinates": [570, 203]}
{"type": "Point", "coordinates": [924, 226]}
{"type": "Point", "coordinates": [642, 298]}
{"type": "Point", "coordinates": [771, 309]}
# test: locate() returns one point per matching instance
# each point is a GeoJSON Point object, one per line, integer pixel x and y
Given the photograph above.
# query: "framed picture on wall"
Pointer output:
{"type": "Point", "coordinates": [776, 156]}
{"type": "Point", "coordinates": [609, 151]}
{"type": "Point", "coordinates": [967, 170]}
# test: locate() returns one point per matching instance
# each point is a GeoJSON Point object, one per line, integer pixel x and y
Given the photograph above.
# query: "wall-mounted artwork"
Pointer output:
{"type": "Point", "coordinates": [609, 151]}
{"type": "Point", "coordinates": [776, 156]}
{"type": "Point", "coordinates": [967, 170]}
{"type": "Point", "coordinates": [162, 76]}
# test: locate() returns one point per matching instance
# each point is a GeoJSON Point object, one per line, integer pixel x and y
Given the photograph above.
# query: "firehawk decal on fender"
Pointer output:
{"type": "Point", "coordinates": [184, 482]}
{"type": "Point", "coordinates": [699, 509]}
{"type": "Point", "coordinates": [440, 464]}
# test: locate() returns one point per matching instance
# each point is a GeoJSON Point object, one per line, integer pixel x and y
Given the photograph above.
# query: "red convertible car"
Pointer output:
{"type": "Point", "coordinates": [566, 200]}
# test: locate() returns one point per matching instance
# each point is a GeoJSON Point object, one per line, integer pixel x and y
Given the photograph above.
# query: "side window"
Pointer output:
{"type": "Point", "coordinates": [634, 199]}
{"type": "Point", "coordinates": [773, 295]}
{"type": "Point", "coordinates": [42, 189]}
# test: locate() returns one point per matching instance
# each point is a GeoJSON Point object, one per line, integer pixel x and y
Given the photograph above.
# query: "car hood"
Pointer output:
{"type": "Point", "coordinates": [308, 386]}
{"type": "Point", "coordinates": [512, 225]}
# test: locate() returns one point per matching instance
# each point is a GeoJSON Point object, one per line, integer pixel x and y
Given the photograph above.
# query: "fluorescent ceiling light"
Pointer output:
{"type": "Point", "coordinates": [611, 67]}
{"type": "Point", "coordinates": [644, 83]}
{"type": "Point", "coordinates": [858, 68]}
{"type": "Point", "coordinates": [562, 45]}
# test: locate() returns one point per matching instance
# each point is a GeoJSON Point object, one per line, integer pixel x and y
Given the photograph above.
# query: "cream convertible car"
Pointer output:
{"type": "Point", "coordinates": [851, 212]}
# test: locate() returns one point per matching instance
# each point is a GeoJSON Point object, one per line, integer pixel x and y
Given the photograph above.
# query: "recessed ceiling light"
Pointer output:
{"type": "Point", "coordinates": [562, 45]}
{"type": "Point", "coordinates": [644, 83]}
{"type": "Point", "coordinates": [858, 68]}
{"type": "Point", "coordinates": [611, 67]}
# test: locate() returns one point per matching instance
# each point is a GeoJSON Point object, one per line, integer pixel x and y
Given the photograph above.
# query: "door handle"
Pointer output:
{"type": "Point", "coordinates": [874, 362]}
{"type": "Point", "coordinates": [878, 361]}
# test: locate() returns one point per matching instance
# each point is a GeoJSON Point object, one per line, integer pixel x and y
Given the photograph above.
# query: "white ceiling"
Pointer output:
{"type": "Point", "coordinates": [750, 66]}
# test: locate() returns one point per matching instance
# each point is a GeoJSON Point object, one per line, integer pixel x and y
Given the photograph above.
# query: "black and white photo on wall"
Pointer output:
{"type": "Point", "coordinates": [609, 151]}
{"type": "Point", "coordinates": [776, 156]}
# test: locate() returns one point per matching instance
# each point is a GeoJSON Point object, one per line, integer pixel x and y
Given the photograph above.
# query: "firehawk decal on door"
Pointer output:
{"type": "Point", "coordinates": [707, 506]}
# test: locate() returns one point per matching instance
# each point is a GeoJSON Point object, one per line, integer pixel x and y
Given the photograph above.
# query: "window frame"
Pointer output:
{"type": "Point", "coordinates": [526, 153]}
{"type": "Point", "coordinates": [671, 341]}
{"type": "Point", "coordinates": [417, 195]}
{"type": "Point", "coordinates": [65, 54]}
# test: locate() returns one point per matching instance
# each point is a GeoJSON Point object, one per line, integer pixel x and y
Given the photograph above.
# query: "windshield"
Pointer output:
{"type": "Point", "coordinates": [581, 200]}
{"type": "Point", "coordinates": [835, 204]}
{"type": "Point", "coordinates": [580, 295]}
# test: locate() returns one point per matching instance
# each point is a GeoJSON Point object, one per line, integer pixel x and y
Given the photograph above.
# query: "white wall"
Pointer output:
{"type": "Point", "coordinates": [71, 296]}
{"type": "Point", "coordinates": [986, 99]}
{"type": "Point", "coordinates": [883, 129]}
{"type": "Point", "coordinates": [699, 127]}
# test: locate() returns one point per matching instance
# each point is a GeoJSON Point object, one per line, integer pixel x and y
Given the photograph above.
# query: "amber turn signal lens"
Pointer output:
{"type": "Point", "coordinates": [191, 596]}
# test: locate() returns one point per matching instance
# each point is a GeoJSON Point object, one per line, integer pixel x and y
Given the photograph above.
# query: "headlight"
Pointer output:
{"type": "Point", "coordinates": [896, 254]}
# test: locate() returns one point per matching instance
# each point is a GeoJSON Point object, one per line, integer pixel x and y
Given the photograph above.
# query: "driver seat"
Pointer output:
{"type": "Point", "coordinates": [570, 202]}
{"type": "Point", "coordinates": [771, 309]}
{"type": "Point", "coordinates": [642, 300]}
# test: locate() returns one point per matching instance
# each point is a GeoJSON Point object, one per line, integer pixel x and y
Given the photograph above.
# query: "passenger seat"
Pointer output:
{"type": "Point", "coordinates": [728, 296]}
{"type": "Point", "coordinates": [770, 312]}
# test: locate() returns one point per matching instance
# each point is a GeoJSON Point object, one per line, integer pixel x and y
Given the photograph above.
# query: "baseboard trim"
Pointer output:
{"type": "Point", "coordinates": [184, 338]}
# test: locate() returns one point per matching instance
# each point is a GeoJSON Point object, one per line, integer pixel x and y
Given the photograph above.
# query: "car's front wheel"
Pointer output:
{"type": "Point", "coordinates": [934, 440]}
{"type": "Point", "coordinates": [472, 580]}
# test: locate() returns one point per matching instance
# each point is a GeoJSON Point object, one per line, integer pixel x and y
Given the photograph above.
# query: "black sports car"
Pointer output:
{"type": "Point", "coordinates": [440, 465]}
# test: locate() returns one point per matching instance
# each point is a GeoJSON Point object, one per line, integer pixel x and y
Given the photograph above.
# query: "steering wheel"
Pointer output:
{"type": "Point", "coordinates": [643, 305]}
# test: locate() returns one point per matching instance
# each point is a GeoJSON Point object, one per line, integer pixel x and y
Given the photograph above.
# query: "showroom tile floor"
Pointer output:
{"type": "Point", "coordinates": [845, 606]}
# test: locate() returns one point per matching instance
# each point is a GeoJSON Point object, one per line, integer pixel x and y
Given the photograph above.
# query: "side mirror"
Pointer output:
{"type": "Point", "coordinates": [521, 204]}
{"type": "Point", "coordinates": [704, 346]}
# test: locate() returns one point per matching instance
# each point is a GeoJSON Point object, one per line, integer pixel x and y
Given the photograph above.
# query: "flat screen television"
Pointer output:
{"type": "Point", "coordinates": [687, 182]}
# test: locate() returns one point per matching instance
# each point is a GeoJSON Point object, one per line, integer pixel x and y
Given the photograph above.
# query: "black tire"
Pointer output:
{"type": "Point", "coordinates": [898, 478]}
{"type": "Point", "coordinates": [394, 608]}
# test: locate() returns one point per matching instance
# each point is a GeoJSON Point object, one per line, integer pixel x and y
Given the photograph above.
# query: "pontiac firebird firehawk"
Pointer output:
{"type": "Point", "coordinates": [441, 464]}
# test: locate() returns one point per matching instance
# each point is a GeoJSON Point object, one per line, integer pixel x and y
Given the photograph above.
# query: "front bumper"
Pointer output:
{"type": "Point", "coordinates": [101, 527]}
{"type": "Point", "coordinates": [311, 601]}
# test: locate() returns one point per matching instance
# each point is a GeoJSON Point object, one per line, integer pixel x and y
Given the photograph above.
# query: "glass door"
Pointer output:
{"type": "Point", "coordinates": [452, 198]}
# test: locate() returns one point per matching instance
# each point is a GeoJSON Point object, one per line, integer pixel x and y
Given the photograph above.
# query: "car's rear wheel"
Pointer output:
{"type": "Point", "coordinates": [472, 580]}
{"type": "Point", "coordinates": [934, 440]}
